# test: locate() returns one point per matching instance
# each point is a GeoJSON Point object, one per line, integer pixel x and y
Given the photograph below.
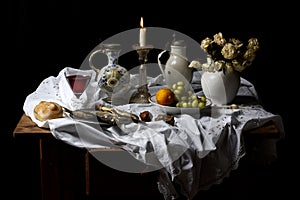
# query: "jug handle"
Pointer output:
{"type": "Point", "coordinates": [161, 66]}
{"type": "Point", "coordinates": [91, 64]}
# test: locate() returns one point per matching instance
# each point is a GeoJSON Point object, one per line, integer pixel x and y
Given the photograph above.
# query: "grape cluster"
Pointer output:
{"type": "Point", "coordinates": [186, 98]}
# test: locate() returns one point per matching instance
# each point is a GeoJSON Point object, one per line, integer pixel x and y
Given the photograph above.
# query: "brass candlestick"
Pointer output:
{"type": "Point", "coordinates": [142, 94]}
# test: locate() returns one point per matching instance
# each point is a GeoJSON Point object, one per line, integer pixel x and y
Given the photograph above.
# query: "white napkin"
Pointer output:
{"type": "Point", "coordinates": [88, 97]}
{"type": "Point", "coordinates": [57, 89]}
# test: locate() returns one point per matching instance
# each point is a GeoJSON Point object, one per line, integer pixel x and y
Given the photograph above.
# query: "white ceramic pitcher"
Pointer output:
{"type": "Point", "coordinates": [176, 68]}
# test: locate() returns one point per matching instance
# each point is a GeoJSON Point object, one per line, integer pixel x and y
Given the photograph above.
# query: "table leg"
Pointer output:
{"type": "Point", "coordinates": [62, 170]}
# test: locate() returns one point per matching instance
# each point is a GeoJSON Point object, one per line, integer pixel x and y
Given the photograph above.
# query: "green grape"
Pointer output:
{"type": "Point", "coordinates": [203, 98]}
{"type": "Point", "coordinates": [185, 105]}
{"type": "Point", "coordinates": [194, 97]}
{"type": "Point", "coordinates": [184, 98]}
{"type": "Point", "coordinates": [195, 103]}
{"type": "Point", "coordinates": [190, 93]}
{"type": "Point", "coordinates": [174, 86]}
{"type": "Point", "coordinates": [187, 98]}
{"type": "Point", "coordinates": [180, 83]}
{"type": "Point", "coordinates": [177, 92]}
{"type": "Point", "coordinates": [201, 104]}
{"type": "Point", "coordinates": [180, 88]}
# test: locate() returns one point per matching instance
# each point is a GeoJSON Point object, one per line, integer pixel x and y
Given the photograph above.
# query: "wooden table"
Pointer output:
{"type": "Point", "coordinates": [69, 172]}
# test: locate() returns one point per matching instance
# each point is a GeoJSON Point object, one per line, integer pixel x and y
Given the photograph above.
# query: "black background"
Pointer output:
{"type": "Point", "coordinates": [42, 37]}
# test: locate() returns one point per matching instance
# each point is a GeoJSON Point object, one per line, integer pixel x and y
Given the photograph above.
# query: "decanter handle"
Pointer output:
{"type": "Point", "coordinates": [91, 64]}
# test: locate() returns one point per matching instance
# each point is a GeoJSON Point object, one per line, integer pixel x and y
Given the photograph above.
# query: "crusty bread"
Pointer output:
{"type": "Point", "coordinates": [45, 110]}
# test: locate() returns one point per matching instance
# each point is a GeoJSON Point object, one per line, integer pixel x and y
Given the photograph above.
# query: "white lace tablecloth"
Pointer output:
{"type": "Point", "coordinates": [192, 155]}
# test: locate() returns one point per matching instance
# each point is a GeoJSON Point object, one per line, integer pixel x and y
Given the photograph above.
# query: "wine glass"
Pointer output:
{"type": "Point", "coordinates": [78, 80]}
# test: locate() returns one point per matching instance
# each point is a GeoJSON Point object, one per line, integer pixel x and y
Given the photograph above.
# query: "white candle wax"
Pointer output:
{"type": "Point", "coordinates": [142, 33]}
{"type": "Point", "coordinates": [142, 37]}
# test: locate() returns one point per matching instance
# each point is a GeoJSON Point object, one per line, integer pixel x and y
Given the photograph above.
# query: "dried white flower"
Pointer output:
{"type": "Point", "coordinates": [218, 38]}
{"type": "Point", "coordinates": [206, 43]}
{"type": "Point", "coordinates": [195, 64]}
{"type": "Point", "coordinates": [229, 51]}
{"type": "Point", "coordinates": [227, 54]}
{"type": "Point", "coordinates": [253, 44]}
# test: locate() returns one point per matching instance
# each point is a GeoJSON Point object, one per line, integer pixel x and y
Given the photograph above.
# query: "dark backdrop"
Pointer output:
{"type": "Point", "coordinates": [42, 37]}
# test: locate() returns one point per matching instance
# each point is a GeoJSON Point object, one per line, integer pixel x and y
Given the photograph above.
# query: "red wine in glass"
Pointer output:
{"type": "Point", "coordinates": [78, 83]}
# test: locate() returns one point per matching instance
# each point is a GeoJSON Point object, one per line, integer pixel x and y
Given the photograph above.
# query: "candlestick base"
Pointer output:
{"type": "Point", "coordinates": [142, 95]}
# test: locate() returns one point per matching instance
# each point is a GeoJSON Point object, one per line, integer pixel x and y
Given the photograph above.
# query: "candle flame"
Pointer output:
{"type": "Point", "coordinates": [142, 22]}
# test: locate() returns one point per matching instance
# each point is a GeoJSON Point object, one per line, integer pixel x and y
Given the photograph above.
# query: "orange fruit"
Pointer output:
{"type": "Point", "coordinates": [165, 96]}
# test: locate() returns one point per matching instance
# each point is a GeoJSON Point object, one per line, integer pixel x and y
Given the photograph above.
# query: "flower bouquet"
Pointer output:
{"type": "Point", "coordinates": [227, 54]}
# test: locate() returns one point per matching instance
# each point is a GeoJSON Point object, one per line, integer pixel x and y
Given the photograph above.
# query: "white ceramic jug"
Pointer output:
{"type": "Point", "coordinates": [176, 68]}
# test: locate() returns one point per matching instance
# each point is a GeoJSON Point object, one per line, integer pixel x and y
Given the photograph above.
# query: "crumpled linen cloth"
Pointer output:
{"type": "Point", "coordinates": [57, 89]}
{"type": "Point", "coordinates": [195, 153]}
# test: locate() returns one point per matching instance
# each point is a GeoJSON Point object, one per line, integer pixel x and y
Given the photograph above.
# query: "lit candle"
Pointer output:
{"type": "Point", "coordinates": [142, 33]}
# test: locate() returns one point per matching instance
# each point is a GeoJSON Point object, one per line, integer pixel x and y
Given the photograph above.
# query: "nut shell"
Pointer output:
{"type": "Point", "coordinates": [146, 116]}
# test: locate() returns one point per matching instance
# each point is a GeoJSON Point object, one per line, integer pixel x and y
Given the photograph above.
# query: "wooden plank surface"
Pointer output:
{"type": "Point", "coordinates": [27, 127]}
{"type": "Point", "coordinates": [267, 130]}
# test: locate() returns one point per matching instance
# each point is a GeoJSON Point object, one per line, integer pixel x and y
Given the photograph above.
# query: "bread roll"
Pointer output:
{"type": "Point", "coordinates": [47, 110]}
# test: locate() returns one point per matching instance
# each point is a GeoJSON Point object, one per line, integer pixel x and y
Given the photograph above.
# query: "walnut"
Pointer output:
{"type": "Point", "coordinates": [167, 118]}
{"type": "Point", "coordinates": [146, 116]}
